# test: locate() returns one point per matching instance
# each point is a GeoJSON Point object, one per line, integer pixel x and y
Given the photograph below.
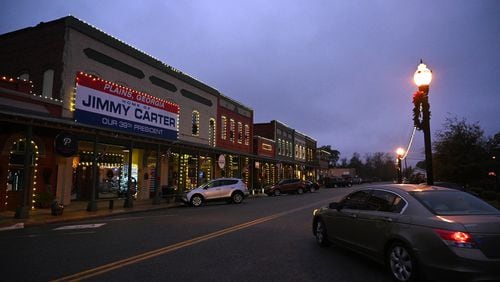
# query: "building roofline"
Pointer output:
{"type": "Point", "coordinates": [224, 97]}
{"type": "Point", "coordinates": [99, 35]}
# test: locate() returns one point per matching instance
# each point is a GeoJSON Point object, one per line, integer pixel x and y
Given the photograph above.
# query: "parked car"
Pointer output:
{"type": "Point", "coordinates": [357, 180]}
{"type": "Point", "coordinates": [311, 186]}
{"type": "Point", "coordinates": [417, 231]}
{"type": "Point", "coordinates": [337, 182]}
{"type": "Point", "coordinates": [286, 186]}
{"type": "Point", "coordinates": [230, 189]}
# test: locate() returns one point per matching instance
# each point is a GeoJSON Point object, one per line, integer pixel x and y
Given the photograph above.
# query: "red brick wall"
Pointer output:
{"type": "Point", "coordinates": [34, 50]}
{"type": "Point", "coordinates": [227, 144]}
{"type": "Point", "coordinates": [265, 130]}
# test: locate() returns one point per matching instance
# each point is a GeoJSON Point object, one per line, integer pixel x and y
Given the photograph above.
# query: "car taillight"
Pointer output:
{"type": "Point", "coordinates": [456, 238]}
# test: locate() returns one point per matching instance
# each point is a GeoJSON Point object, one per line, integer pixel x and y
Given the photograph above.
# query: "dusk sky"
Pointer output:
{"type": "Point", "coordinates": [338, 71]}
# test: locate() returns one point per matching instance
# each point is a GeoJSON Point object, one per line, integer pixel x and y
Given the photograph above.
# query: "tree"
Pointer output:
{"type": "Point", "coordinates": [355, 162]}
{"type": "Point", "coordinates": [343, 162]}
{"type": "Point", "coordinates": [421, 165]}
{"type": "Point", "coordinates": [492, 164]}
{"type": "Point", "coordinates": [334, 155]}
{"type": "Point", "coordinates": [380, 165]}
{"type": "Point", "coordinates": [459, 151]}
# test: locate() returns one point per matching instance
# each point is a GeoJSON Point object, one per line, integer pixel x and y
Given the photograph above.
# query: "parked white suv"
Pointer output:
{"type": "Point", "coordinates": [230, 189]}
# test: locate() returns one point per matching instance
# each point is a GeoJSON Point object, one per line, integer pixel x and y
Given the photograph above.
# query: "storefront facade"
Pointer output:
{"type": "Point", "coordinates": [264, 164]}
{"type": "Point", "coordinates": [112, 88]}
{"type": "Point", "coordinates": [87, 117]}
{"type": "Point", "coordinates": [235, 136]}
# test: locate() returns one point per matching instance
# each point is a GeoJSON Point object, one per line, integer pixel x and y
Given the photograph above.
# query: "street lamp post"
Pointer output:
{"type": "Point", "coordinates": [422, 115]}
{"type": "Point", "coordinates": [400, 153]}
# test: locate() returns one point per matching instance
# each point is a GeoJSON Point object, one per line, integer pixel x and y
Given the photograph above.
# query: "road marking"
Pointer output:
{"type": "Point", "coordinates": [80, 226]}
{"type": "Point", "coordinates": [12, 227]}
{"type": "Point", "coordinates": [139, 217]}
{"type": "Point", "coordinates": [170, 248]}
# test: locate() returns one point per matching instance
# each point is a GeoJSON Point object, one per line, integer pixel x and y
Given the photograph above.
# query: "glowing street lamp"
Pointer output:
{"type": "Point", "coordinates": [400, 153]}
{"type": "Point", "coordinates": [421, 113]}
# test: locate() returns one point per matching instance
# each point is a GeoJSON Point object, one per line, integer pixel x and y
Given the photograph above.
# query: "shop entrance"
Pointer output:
{"type": "Point", "coordinates": [16, 182]}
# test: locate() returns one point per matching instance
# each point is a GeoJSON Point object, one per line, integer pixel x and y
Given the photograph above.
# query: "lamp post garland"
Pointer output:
{"type": "Point", "coordinates": [422, 114]}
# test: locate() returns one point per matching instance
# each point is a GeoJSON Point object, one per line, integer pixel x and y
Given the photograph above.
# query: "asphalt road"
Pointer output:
{"type": "Point", "coordinates": [263, 239]}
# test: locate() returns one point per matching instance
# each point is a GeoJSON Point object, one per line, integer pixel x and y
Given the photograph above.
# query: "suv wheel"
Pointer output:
{"type": "Point", "coordinates": [277, 192]}
{"type": "Point", "coordinates": [196, 200]}
{"type": "Point", "coordinates": [237, 197]}
{"type": "Point", "coordinates": [300, 191]}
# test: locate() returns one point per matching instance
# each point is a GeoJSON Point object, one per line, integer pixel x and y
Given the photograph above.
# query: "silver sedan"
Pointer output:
{"type": "Point", "coordinates": [417, 231]}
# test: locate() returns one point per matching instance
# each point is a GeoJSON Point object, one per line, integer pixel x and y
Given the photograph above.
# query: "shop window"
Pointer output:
{"type": "Point", "coordinates": [211, 132]}
{"type": "Point", "coordinates": [195, 122]}
{"type": "Point", "coordinates": [240, 133]}
{"type": "Point", "coordinates": [231, 130]}
{"type": "Point", "coordinates": [223, 129]}
{"type": "Point", "coordinates": [16, 172]}
{"type": "Point", "coordinates": [48, 83]}
{"type": "Point", "coordinates": [247, 134]}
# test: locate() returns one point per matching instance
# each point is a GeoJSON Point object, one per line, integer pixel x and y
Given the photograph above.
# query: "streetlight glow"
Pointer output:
{"type": "Point", "coordinates": [400, 152]}
{"type": "Point", "coordinates": [423, 75]}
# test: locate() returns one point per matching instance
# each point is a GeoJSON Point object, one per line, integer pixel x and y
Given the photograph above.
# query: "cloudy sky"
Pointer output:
{"type": "Point", "coordinates": [339, 71]}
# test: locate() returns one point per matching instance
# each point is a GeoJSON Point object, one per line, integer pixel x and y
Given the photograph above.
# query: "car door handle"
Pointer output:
{"type": "Point", "coordinates": [353, 215]}
{"type": "Point", "coordinates": [388, 219]}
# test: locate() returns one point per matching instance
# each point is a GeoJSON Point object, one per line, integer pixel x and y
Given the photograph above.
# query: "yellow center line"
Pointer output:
{"type": "Point", "coordinates": [154, 253]}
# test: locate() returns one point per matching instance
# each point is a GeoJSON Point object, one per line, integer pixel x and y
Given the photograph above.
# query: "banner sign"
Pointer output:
{"type": "Point", "coordinates": [105, 104]}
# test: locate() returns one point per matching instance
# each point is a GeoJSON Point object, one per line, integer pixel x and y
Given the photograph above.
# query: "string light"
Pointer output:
{"type": "Point", "coordinates": [17, 80]}
{"type": "Point", "coordinates": [171, 106]}
{"type": "Point", "coordinates": [144, 53]}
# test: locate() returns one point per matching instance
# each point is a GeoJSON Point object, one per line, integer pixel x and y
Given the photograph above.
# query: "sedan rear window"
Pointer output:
{"type": "Point", "coordinates": [453, 203]}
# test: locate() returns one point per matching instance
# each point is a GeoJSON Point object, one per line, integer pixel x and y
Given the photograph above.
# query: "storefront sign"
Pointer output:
{"type": "Point", "coordinates": [66, 144]}
{"type": "Point", "coordinates": [105, 104]}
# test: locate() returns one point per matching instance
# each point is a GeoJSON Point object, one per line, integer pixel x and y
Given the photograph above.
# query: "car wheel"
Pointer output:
{"type": "Point", "coordinates": [300, 191]}
{"type": "Point", "coordinates": [312, 189]}
{"type": "Point", "coordinates": [237, 197]}
{"type": "Point", "coordinates": [196, 200]}
{"type": "Point", "coordinates": [402, 264]}
{"type": "Point", "coordinates": [277, 192]}
{"type": "Point", "coordinates": [320, 233]}
{"type": "Point", "coordinates": [335, 186]}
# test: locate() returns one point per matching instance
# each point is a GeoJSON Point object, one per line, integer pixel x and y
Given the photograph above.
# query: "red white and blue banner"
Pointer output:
{"type": "Point", "coordinates": [105, 104]}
